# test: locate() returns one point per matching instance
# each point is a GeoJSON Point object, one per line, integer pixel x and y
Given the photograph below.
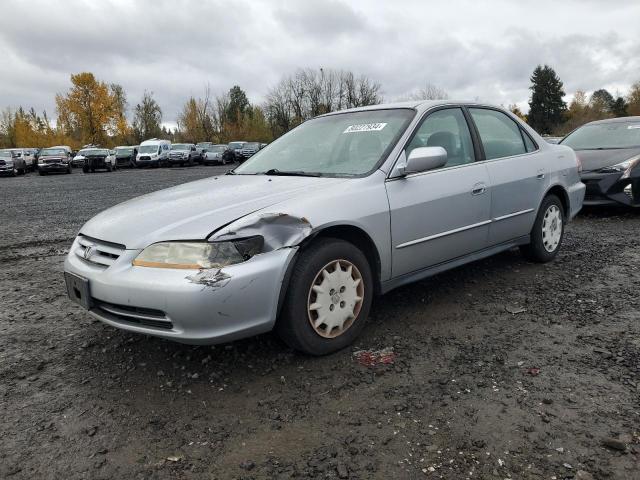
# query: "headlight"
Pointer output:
{"type": "Point", "coordinates": [198, 255]}
{"type": "Point", "coordinates": [625, 167]}
{"type": "Point", "coordinates": [9, 163]}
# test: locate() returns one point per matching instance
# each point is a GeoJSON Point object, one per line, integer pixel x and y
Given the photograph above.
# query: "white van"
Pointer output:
{"type": "Point", "coordinates": [153, 152]}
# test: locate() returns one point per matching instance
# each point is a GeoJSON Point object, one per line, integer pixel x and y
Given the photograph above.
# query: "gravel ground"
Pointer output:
{"type": "Point", "coordinates": [502, 368]}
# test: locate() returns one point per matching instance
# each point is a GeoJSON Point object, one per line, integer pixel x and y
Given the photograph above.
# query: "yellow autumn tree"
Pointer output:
{"type": "Point", "coordinates": [90, 112]}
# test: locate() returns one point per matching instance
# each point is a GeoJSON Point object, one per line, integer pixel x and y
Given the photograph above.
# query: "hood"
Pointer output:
{"type": "Point", "coordinates": [192, 211]}
{"type": "Point", "coordinates": [597, 159]}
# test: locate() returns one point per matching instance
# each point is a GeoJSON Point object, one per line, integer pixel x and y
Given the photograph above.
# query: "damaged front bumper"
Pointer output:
{"type": "Point", "coordinates": [612, 189]}
{"type": "Point", "coordinates": [189, 306]}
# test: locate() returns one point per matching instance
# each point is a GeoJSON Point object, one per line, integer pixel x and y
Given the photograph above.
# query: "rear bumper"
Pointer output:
{"type": "Point", "coordinates": [188, 306]}
{"type": "Point", "coordinates": [611, 189]}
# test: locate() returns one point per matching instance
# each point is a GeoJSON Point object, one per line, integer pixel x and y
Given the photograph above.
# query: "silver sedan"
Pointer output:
{"type": "Point", "coordinates": [303, 235]}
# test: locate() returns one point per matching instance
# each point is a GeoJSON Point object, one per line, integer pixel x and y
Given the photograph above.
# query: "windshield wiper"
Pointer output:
{"type": "Point", "coordinates": [291, 173]}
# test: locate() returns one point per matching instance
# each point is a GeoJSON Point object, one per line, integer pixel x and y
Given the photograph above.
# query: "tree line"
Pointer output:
{"type": "Point", "coordinates": [549, 114]}
{"type": "Point", "coordinates": [96, 112]}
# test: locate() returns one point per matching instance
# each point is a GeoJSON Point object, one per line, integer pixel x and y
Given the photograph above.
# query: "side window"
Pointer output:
{"type": "Point", "coordinates": [528, 143]}
{"type": "Point", "coordinates": [499, 134]}
{"type": "Point", "coordinates": [447, 129]}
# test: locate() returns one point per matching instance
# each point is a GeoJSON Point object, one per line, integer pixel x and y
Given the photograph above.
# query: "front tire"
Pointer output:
{"type": "Point", "coordinates": [328, 298]}
{"type": "Point", "coordinates": [547, 233]}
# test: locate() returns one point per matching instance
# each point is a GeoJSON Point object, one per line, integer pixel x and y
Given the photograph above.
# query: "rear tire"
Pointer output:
{"type": "Point", "coordinates": [547, 232]}
{"type": "Point", "coordinates": [317, 291]}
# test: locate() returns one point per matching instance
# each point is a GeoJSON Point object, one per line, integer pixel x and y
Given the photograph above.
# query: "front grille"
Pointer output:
{"type": "Point", "coordinates": [52, 160]}
{"type": "Point", "coordinates": [2, 162]}
{"type": "Point", "coordinates": [98, 252]}
{"type": "Point", "coordinates": [144, 157]}
{"type": "Point", "coordinates": [148, 317]}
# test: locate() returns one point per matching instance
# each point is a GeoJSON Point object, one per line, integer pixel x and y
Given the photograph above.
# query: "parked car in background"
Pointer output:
{"type": "Point", "coordinates": [609, 151]}
{"type": "Point", "coordinates": [302, 235]}
{"type": "Point", "coordinates": [249, 149]}
{"type": "Point", "coordinates": [219, 154]}
{"type": "Point", "coordinates": [236, 148]}
{"type": "Point", "coordinates": [99, 159]}
{"type": "Point", "coordinates": [553, 140]}
{"type": "Point", "coordinates": [54, 160]}
{"type": "Point", "coordinates": [28, 158]}
{"type": "Point", "coordinates": [11, 163]}
{"type": "Point", "coordinates": [126, 156]}
{"type": "Point", "coordinates": [153, 152]}
{"type": "Point", "coordinates": [182, 153]}
{"type": "Point", "coordinates": [78, 159]}
{"type": "Point", "coordinates": [202, 148]}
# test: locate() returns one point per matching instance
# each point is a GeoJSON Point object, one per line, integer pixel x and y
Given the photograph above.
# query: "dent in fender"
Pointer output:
{"type": "Point", "coordinates": [279, 230]}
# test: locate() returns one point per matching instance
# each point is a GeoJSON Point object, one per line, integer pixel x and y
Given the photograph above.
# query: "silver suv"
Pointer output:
{"type": "Point", "coordinates": [303, 235]}
{"type": "Point", "coordinates": [182, 153]}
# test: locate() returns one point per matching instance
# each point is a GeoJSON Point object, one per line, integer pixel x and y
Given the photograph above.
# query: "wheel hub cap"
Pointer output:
{"type": "Point", "coordinates": [551, 228]}
{"type": "Point", "coordinates": [335, 298]}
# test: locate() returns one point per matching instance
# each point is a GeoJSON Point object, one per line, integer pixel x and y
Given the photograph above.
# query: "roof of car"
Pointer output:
{"type": "Point", "coordinates": [420, 105]}
{"type": "Point", "coordinates": [615, 120]}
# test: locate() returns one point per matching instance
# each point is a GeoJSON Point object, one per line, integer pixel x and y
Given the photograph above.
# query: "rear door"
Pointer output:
{"type": "Point", "coordinates": [518, 177]}
{"type": "Point", "coordinates": [443, 213]}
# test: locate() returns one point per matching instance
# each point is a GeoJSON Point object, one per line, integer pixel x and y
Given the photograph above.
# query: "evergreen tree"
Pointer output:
{"type": "Point", "coordinates": [546, 106]}
{"type": "Point", "coordinates": [619, 107]}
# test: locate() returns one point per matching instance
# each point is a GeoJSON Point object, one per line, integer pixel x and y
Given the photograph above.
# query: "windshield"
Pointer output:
{"type": "Point", "coordinates": [148, 149]}
{"type": "Point", "coordinates": [236, 145]}
{"type": "Point", "coordinates": [342, 145]}
{"type": "Point", "coordinates": [120, 150]}
{"type": "Point", "coordinates": [180, 146]}
{"type": "Point", "coordinates": [5, 154]}
{"type": "Point", "coordinates": [605, 136]}
{"type": "Point", "coordinates": [96, 151]}
{"type": "Point", "coordinates": [252, 145]}
{"type": "Point", "coordinates": [217, 149]}
{"type": "Point", "coordinates": [203, 145]}
{"type": "Point", "coordinates": [52, 151]}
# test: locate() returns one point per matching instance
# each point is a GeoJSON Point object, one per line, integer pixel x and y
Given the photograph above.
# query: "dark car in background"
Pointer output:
{"type": "Point", "coordinates": [11, 163]}
{"type": "Point", "coordinates": [249, 149]}
{"type": "Point", "coordinates": [236, 148]}
{"type": "Point", "coordinates": [609, 151]}
{"type": "Point", "coordinates": [54, 160]}
{"type": "Point", "coordinates": [219, 155]}
{"type": "Point", "coordinates": [126, 156]}
{"type": "Point", "coordinates": [98, 159]}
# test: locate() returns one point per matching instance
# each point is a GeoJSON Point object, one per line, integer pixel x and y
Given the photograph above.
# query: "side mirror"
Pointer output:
{"type": "Point", "coordinates": [422, 159]}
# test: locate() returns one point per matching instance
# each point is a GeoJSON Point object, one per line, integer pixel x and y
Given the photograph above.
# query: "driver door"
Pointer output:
{"type": "Point", "coordinates": [443, 213]}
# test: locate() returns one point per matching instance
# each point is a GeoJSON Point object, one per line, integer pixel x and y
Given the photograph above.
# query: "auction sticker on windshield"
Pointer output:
{"type": "Point", "coordinates": [365, 127]}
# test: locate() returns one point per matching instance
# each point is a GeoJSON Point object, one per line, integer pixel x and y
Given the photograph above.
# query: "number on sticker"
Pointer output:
{"type": "Point", "coordinates": [365, 127]}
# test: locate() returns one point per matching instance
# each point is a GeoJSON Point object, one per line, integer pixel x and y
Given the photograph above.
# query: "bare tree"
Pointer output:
{"type": "Point", "coordinates": [307, 93]}
{"type": "Point", "coordinates": [429, 92]}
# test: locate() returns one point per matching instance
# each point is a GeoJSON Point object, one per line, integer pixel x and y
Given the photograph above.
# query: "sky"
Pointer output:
{"type": "Point", "coordinates": [473, 49]}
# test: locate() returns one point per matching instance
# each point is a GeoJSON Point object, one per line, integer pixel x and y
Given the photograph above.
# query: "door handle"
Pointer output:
{"type": "Point", "coordinates": [479, 189]}
{"type": "Point", "coordinates": [540, 174]}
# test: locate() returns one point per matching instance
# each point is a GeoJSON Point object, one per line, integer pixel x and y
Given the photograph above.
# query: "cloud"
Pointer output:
{"type": "Point", "coordinates": [174, 48]}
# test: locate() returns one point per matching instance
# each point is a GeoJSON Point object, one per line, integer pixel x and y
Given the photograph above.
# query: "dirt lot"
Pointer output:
{"type": "Point", "coordinates": [503, 369]}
